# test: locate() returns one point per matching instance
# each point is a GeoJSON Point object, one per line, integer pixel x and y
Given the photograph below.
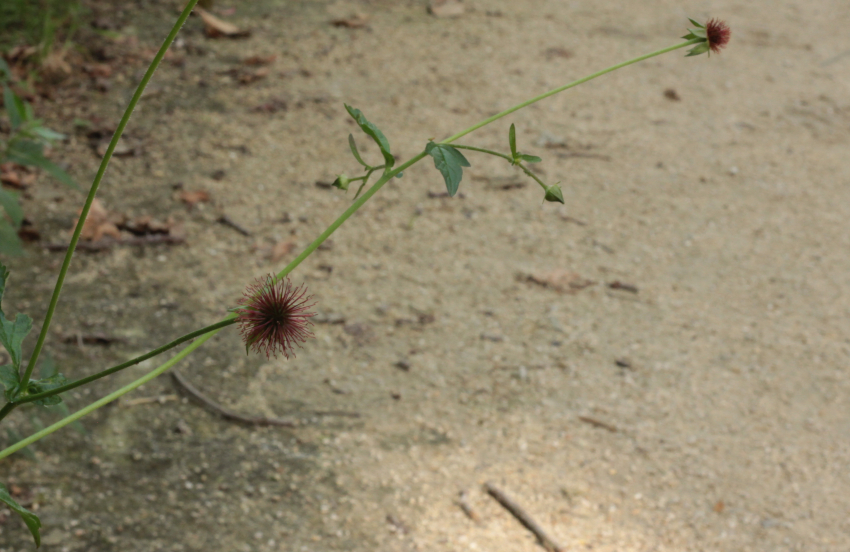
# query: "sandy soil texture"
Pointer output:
{"type": "Point", "coordinates": [661, 364]}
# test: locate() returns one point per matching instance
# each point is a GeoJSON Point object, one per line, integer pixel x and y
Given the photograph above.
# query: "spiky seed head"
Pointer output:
{"type": "Point", "coordinates": [718, 33]}
{"type": "Point", "coordinates": [273, 316]}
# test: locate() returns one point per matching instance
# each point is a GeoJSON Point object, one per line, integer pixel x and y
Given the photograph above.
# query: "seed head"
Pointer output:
{"type": "Point", "coordinates": [718, 34]}
{"type": "Point", "coordinates": [273, 316]}
{"type": "Point", "coordinates": [711, 37]}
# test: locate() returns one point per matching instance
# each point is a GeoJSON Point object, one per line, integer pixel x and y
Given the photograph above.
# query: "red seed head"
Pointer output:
{"type": "Point", "coordinates": [718, 34]}
{"type": "Point", "coordinates": [273, 316]}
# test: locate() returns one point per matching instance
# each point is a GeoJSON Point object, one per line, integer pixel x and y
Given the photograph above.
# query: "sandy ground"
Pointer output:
{"type": "Point", "coordinates": [718, 383]}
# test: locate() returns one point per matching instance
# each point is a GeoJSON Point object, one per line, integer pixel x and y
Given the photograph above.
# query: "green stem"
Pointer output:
{"type": "Point", "coordinates": [566, 86]}
{"type": "Point", "coordinates": [96, 184]}
{"type": "Point", "coordinates": [132, 362]}
{"type": "Point", "coordinates": [388, 174]}
{"type": "Point", "coordinates": [109, 398]}
{"type": "Point", "coordinates": [482, 150]}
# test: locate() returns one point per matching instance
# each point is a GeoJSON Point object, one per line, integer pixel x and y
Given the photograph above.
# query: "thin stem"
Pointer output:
{"type": "Point", "coordinates": [482, 150]}
{"type": "Point", "coordinates": [532, 175]}
{"type": "Point", "coordinates": [109, 398]}
{"type": "Point", "coordinates": [96, 184]}
{"type": "Point", "coordinates": [566, 86]}
{"type": "Point", "coordinates": [132, 362]}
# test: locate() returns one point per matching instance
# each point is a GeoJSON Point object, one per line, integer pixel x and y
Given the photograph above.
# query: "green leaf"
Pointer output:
{"type": "Point", "coordinates": [10, 243]}
{"type": "Point", "coordinates": [47, 134]}
{"type": "Point", "coordinates": [5, 72]}
{"type": "Point", "coordinates": [12, 334]}
{"type": "Point", "coordinates": [14, 107]}
{"type": "Point", "coordinates": [354, 151]}
{"type": "Point", "coordinates": [529, 158]}
{"type": "Point", "coordinates": [512, 140]}
{"type": "Point", "coordinates": [46, 384]}
{"type": "Point", "coordinates": [695, 23]}
{"type": "Point", "coordinates": [4, 279]}
{"type": "Point", "coordinates": [9, 379]}
{"type": "Point", "coordinates": [450, 162]}
{"type": "Point", "coordinates": [374, 133]}
{"type": "Point", "coordinates": [10, 204]}
{"type": "Point", "coordinates": [30, 518]}
{"type": "Point", "coordinates": [30, 153]}
{"type": "Point", "coordinates": [700, 48]}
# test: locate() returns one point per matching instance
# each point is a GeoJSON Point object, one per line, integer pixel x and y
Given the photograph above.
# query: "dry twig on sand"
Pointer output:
{"type": "Point", "coordinates": [523, 517]}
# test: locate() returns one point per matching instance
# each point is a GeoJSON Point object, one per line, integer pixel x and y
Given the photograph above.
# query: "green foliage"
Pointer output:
{"type": "Point", "coordinates": [46, 384]}
{"type": "Point", "coordinates": [554, 194]}
{"type": "Point", "coordinates": [32, 521]}
{"type": "Point", "coordinates": [698, 33]}
{"type": "Point", "coordinates": [450, 162]}
{"type": "Point", "coordinates": [39, 23]}
{"type": "Point", "coordinates": [353, 145]}
{"type": "Point", "coordinates": [373, 132]}
{"type": "Point", "coordinates": [515, 155]}
{"type": "Point", "coordinates": [25, 146]}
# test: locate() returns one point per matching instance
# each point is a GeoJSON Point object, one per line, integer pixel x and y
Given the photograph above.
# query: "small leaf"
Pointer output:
{"type": "Point", "coordinates": [14, 107]}
{"type": "Point", "coordinates": [450, 162]}
{"type": "Point", "coordinates": [10, 243]}
{"type": "Point", "coordinates": [354, 151]}
{"type": "Point", "coordinates": [32, 521]}
{"type": "Point", "coordinates": [46, 384]}
{"type": "Point", "coordinates": [30, 153]}
{"type": "Point", "coordinates": [529, 158]}
{"type": "Point", "coordinates": [10, 204]}
{"type": "Point", "coordinates": [695, 23]}
{"type": "Point", "coordinates": [9, 379]}
{"type": "Point", "coordinates": [512, 140]}
{"type": "Point", "coordinates": [700, 48]}
{"type": "Point", "coordinates": [374, 133]}
{"type": "Point", "coordinates": [12, 334]}
{"type": "Point", "coordinates": [5, 72]}
{"type": "Point", "coordinates": [47, 134]}
{"type": "Point", "coordinates": [4, 279]}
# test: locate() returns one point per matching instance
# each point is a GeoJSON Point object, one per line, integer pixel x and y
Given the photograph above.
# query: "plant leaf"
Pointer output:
{"type": "Point", "coordinates": [512, 140]}
{"type": "Point", "coordinates": [47, 134]}
{"type": "Point", "coordinates": [9, 379]}
{"type": "Point", "coordinates": [10, 243]}
{"type": "Point", "coordinates": [32, 521]}
{"type": "Point", "coordinates": [30, 153]}
{"type": "Point", "coordinates": [14, 107]}
{"type": "Point", "coordinates": [353, 145]}
{"type": "Point", "coordinates": [5, 72]}
{"type": "Point", "coordinates": [374, 133]}
{"type": "Point", "coordinates": [529, 158]}
{"type": "Point", "coordinates": [12, 334]}
{"type": "Point", "coordinates": [695, 23]}
{"type": "Point", "coordinates": [46, 384]}
{"type": "Point", "coordinates": [10, 204]}
{"type": "Point", "coordinates": [450, 162]}
{"type": "Point", "coordinates": [700, 48]}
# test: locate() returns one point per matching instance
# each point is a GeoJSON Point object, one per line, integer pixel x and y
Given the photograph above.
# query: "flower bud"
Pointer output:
{"type": "Point", "coordinates": [341, 182]}
{"type": "Point", "coordinates": [554, 194]}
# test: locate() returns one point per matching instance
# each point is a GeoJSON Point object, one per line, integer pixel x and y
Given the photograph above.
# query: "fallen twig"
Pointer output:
{"type": "Point", "coordinates": [617, 284]}
{"type": "Point", "coordinates": [523, 517]}
{"type": "Point", "coordinates": [467, 509]}
{"type": "Point", "coordinates": [108, 243]}
{"type": "Point", "coordinates": [596, 423]}
{"type": "Point", "coordinates": [227, 221]}
{"type": "Point", "coordinates": [225, 413]}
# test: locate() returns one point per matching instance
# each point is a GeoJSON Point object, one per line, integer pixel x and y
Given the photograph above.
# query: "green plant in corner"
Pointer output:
{"type": "Point", "coordinates": [25, 146]}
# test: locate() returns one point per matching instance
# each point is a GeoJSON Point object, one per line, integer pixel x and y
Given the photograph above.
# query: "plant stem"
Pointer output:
{"type": "Point", "coordinates": [132, 362]}
{"type": "Point", "coordinates": [566, 86]}
{"type": "Point", "coordinates": [482, 150]}
{"type": "Point", "coordinates": [109, 398]}
{"type": "Point", "coordinates": [388, 174]}
{"type": "Point", "coordinates": [96, 184]}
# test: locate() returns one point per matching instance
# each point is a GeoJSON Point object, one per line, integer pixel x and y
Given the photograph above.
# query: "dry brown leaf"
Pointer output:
{"type": "Point", "coordinates": [559, 280]}
{"type": "Point", "coordinates": [99, 223]}
{"type": "Point", "coordinates": [253, 76]}
{"type": "Point", "coordinates": [215, 27]}
{"type": "Point", "coordinates": [446, 8]}
{"type": "Point", "coordinates": [281, 250]}
{"type": "Point", "coordinates": [192, 197]}
{"type": "Point", "coordinates": [259, 60]}
{"type": "Point", "coordinates": [356, 21]}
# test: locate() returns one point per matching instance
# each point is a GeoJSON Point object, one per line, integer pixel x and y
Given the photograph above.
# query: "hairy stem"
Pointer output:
{"type": "Point", "coordinates": [96, 184]}
{"type": "Point", "coordinates": [119, 367]}
{"type": "Point", "coordinates": [109, 398]}
{"type": "Point", "coordinates": [388, 174]}
{"type": "Point", "coordinates": [517, 107]}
